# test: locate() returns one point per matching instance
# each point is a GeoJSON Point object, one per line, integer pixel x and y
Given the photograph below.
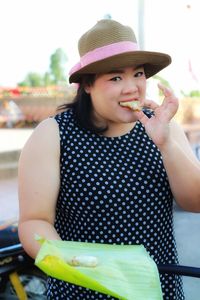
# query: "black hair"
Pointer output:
{"type": "Point", "coordinates": [82, 106]}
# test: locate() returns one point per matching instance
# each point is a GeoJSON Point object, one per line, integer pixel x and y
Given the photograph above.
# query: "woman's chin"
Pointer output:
{"type": "Point", "coordinates": [129, 118]}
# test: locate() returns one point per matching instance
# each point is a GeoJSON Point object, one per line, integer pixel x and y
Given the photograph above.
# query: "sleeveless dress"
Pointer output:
{"type": "Point", "coordinates": [113, 190]}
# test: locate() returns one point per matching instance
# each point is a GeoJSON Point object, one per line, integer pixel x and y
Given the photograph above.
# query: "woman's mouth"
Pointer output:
{"type": "Point", "coordinates": [134, 105]}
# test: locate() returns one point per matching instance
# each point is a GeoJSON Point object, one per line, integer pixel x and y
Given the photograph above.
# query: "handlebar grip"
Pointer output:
{"type": "Point", "coordinates": [179, 270]}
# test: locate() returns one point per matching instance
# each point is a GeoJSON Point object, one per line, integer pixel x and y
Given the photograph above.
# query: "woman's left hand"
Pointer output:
{"type": "Point", "coordinates": [157, 127]}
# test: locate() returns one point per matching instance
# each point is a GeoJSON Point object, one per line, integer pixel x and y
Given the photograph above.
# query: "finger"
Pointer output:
{"type": "Point", "coordinates": [166, 91]}
{"type": "Point", "coordinates": [150, 104]}
{"type": "Point", "coordinates": [170, 98]}
{"type": "Point", "coordinates": [142, 117]}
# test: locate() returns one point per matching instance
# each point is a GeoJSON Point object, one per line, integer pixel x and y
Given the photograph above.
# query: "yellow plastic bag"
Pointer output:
{"type": "Point", "coordinates": [123, 271]}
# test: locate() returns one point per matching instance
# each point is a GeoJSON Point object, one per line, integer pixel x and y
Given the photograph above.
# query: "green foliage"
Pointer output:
{"type": "Point", "coordinates": [57, 70]}
{"type": "Point", "coordinates": [33, 80]}
{"type": "Point", "coordinates": [47, 79]}
{"type": "Point", "coordinates": [55, 76]}
{"type": "Point", "coordinates": [193, 93]}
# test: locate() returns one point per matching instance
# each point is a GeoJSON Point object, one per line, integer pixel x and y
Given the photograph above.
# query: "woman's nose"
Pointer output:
{"type": "Point", "coordinates": [129, 86]}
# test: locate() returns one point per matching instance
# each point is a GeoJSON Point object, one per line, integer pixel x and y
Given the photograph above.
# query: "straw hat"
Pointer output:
{"type": "Point", "coordinates": [110, 45]}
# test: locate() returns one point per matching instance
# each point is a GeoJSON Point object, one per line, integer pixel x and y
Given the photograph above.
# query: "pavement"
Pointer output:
{"type": "Point", "coordinates": [186, 224]}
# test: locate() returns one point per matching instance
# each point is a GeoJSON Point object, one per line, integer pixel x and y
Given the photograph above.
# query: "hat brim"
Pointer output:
{"type": "Point", "coordinates": [153, 63]}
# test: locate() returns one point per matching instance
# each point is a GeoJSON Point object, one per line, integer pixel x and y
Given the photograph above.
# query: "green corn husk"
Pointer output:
{"type": "Point", "coordinates": [123, 271]}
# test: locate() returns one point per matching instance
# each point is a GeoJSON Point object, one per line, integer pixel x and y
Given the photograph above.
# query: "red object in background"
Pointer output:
{"type": "Point", "coordinates": [11, 92]}
{"type": "Point", "coordinates": [15, 92]}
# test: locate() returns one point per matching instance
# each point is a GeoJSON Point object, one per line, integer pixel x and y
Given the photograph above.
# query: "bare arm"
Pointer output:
{"type": "Point", "coordinates": [39, 181]}
{"type": "Point", "coordinates": [182, 167]}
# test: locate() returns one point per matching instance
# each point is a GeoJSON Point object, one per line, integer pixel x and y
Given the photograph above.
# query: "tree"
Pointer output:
{"type": "Point", "coordinates": [32, 79]}
{"type": "Point", "coordinates": [47, 79]}
{"type": "Point", "coordinates": [55, 75]}
{"type": "Point", "coordinates": [57, 66]}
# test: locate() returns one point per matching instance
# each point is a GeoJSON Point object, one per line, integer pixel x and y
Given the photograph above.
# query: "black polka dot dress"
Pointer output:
{"type": "Point", "coordinates": [113, 190]}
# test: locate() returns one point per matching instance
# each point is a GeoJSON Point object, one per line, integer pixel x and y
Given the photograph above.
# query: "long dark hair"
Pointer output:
{"type": "Point", "coordinates": [82, 106]}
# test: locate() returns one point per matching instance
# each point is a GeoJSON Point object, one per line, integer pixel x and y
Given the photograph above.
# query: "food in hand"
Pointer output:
{"type": "Point", "coordinates": [83, 261]}
{"type": "Point", "coordinates": [133, 105]}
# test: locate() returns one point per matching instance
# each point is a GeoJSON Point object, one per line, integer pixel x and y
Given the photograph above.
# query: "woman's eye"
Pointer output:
{"type": "Point", "coordinates": [139, 74]}
{"type": "Point", "coordinates": [116, 78]}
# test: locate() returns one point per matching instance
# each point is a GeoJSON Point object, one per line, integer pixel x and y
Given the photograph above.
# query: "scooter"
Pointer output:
{"type": "Point", "coordinates": [19, 277]}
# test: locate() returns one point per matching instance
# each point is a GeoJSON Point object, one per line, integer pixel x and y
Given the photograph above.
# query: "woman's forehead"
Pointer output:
{"type": "Point", "coordinates": [122, 70]}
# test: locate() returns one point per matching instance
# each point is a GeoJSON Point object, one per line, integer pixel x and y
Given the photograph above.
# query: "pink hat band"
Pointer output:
{"type": "Point", "coordinates": [104, 52]}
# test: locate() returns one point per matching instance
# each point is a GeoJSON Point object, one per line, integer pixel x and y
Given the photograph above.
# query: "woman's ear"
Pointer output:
{"type": "Point", "coordinates": [87, 89]}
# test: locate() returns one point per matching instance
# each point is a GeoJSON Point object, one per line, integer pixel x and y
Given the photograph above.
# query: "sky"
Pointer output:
{"type": "Point", "coordinates": [31, 30]}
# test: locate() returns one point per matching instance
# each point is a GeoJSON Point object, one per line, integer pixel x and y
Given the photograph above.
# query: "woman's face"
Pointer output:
{"type": "Point", "coordinates": [109, 89]}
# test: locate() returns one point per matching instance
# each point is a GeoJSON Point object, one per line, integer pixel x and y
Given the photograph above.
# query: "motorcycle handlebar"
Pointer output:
{"type": "Point", "coordinates": [179, 270]}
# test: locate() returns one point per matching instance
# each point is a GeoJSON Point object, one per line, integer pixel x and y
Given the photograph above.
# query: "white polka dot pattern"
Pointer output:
{"type": "Point", "coordinates": [113, 190]}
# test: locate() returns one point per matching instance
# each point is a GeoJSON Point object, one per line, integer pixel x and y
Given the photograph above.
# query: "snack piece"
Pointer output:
{"type": "Point", "coordinates": [134, 105]}
{"type": "Point", "coordinates": [83, 261]}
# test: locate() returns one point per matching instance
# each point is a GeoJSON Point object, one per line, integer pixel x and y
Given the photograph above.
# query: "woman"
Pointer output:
{"type": "Point", "coordinates": [101, 172]}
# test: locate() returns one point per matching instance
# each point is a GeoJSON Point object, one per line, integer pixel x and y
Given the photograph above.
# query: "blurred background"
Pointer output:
{"type": "Point", "coordinates": [38, 48]}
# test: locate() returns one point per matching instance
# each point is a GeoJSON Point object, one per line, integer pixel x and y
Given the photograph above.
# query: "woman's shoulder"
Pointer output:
{"type": "Point", "coordinates": [44, 135]}
{"type": "Point", "coordinates": [46, 125]}
{"type": "Point", "coordinates": [63, 116]}
{"type": "Point", "coordinates": [66, 120]}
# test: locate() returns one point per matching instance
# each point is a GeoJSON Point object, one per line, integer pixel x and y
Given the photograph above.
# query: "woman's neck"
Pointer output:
{"type": "Point", "coordinates": [115, 130]}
